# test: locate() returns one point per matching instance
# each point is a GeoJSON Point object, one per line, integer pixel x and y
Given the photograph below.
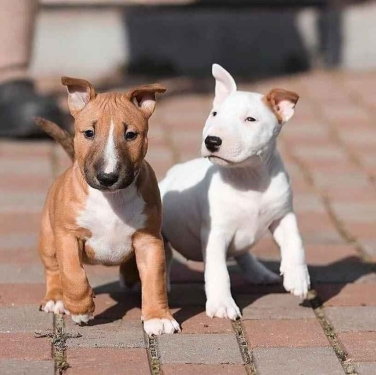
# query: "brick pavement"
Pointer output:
{"type": "Point", "coordinates": [329, 150]}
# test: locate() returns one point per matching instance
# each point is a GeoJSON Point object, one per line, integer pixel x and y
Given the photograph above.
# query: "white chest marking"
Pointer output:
{"type": "Point", "coordinates": [112, 219]}
{"type": "Point", "coordinates": [110, 155]}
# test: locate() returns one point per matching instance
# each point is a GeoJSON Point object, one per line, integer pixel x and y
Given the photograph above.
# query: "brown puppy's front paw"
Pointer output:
{"type": "Point", "coordinates": [51, 306]}
{"type": "Point", "coordinates": [81, 318]}
{"type": "Point", "coordinates": [158, 326]}
{"type": "Point", "coordinates": [81, 313]}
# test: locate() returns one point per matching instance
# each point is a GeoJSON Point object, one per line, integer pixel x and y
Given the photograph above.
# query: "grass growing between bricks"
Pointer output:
{"type": "Point", "coordinates": [153, 354]}
{"type": "Point", "coordinates": [330, 333]}
{"type": "Point", "coordinates": [243, 346]}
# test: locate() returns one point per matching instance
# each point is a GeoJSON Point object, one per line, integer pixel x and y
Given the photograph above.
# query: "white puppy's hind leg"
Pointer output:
{"type": "Point", "coordinates": [254, 271]}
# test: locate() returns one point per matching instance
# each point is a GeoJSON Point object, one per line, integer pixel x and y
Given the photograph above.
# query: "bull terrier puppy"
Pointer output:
{"type": "Point", "coordinates": [219, 206]}
{"type": "Point", "coordinates": [106, 208]}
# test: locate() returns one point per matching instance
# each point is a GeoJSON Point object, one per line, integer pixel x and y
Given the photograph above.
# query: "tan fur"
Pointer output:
{"type": "Point", "coordinates": [62, 241]}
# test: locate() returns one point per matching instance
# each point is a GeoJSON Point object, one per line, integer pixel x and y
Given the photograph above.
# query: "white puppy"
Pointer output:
{"type": "Point", "coordinates": [222, 204]}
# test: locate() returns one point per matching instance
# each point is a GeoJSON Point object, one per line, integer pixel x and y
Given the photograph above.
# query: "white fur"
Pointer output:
{"type": "Point", "coordinates": [82, 318]}
{"type": "Point", "coordinates": [212, 210]}
{"type": "Point", "coordinates": [110, 155]}
{"type": "Point", "coordinates": [54, 307]}
{"type": "Point", "coordinates": [159, 326]}
{"type": "Point", "coordinates": [112, 218]}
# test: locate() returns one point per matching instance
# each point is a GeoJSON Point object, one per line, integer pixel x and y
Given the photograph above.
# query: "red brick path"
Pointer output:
{"type": "Point", "coordinates": [330, 151]}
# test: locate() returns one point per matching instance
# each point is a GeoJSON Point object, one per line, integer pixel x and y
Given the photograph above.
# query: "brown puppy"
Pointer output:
{"type": "Point", "coordinates": [106, 207]}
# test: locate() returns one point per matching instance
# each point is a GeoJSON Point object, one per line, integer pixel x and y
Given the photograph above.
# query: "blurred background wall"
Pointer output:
{"type": "Point", "coordinates": [101, 38]}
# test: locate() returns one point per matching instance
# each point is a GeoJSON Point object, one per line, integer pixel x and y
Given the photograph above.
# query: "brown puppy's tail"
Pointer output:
{"type": "Point", "coordinates": [58, 134]}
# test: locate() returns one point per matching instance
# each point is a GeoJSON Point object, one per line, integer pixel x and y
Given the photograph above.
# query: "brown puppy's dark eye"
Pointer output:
{"type": "Point", "coordinates": [89, 134]}
{"type": "Point", "coordinates": [250, 119]}
{"type": "Point", "coordinates": [130, 136]}
{"type": "Point", "coordinates": [214, 114]}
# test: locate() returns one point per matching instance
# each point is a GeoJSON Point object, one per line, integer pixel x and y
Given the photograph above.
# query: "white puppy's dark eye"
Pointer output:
{"type": "Point", "coordinates": [130, 136]}
{"type": "Point", "coordinates": [250, 119]}
{"type": "Point", "coordinates": [89, 134]}
{"type": "Point", "coordinates": [214, 114]}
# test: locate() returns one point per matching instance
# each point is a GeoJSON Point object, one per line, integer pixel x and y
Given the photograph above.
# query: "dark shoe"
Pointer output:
{"type": "Point", "coordinates": [19, 104]}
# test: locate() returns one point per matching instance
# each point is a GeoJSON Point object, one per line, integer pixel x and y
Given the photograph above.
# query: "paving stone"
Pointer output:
{"type": "Point", "coordinates": [350, 319]}
{"type": "Point", "coordinates": [34, 166]}
{"type": "Point", "coordinates": [360, 346]}
{"type": "Point", "coordinates": [24, 346]}
{"type": "Point", "coordinates": [20, 257]}
{"type": "Point", "coordinates": [326, 254]}
{"type": "Point", "coordinates": [365, 368]}
{"type": "Point", "coordinates": [308, 203]}
{"type": "Point", "coordinates": [273, 306]}
{"type": "Point", "coordinates": [19, 367]}
{"type": "Point", "coordinates": [18, 202]}
{"type": "Point", "coordinates": [18, 241]}
{"type": "Point", "coordinates": [199, 348]}
{"type": "Point", "coordinates": [347, 295]}
{"type": "Point", "coordinates": [102, 333]}
{"type": "Point", "coordinates": [187, 295]}
{"type": "Point", "coordinates": [362, 212]}
{"type": "Point", "coordinates": [118, 305]}
{"type": "Point", "coordinates": [305, 361]}
{"type": "Point", "coordinates": [24, 319]}
{"type": "Point", "coordinates": [16, 223]}
{"type": "Point", "coordinates": [21, 294]}
{"type": "Point", "coordinates": [19, 274]}
{"type": "Point", "coordinates": [187, 369]}
{"type": "Point", "coordinates": [103, 361]}
{"type": "Point", "coordinates": [285, 333]}
{"type": "Point", "coordinates": [340, 272]}
{"type": "Point", "coordinates": [195, 320]}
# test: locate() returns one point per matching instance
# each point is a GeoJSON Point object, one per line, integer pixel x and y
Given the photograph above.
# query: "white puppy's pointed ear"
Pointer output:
{"type": "Point", "coordinates": [224, 84]}
{"type": "Point", "coordinates": [282, 103]}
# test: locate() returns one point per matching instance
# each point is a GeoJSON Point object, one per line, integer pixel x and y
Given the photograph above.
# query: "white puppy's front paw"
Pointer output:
{"type": "Point", "coordinates": [296, 280]}
{"type": "Point", "coordinates": [222, 308]}
{"type": "Point", "coordinates": [159, 326]}
{"type": "Point", "coordinates": [82, 318]}
{"type": "Point", "coordinates": [54, 307]}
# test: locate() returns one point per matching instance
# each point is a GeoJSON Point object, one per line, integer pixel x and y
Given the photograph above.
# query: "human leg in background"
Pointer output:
{"type": "Point", "coordinates": [19, 102]}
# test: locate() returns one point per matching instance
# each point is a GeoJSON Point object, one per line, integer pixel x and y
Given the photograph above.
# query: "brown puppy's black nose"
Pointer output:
{"type": "Point", "coordinates": [213, 143]}
{"type": "Point", "coordinates": [107, 179]}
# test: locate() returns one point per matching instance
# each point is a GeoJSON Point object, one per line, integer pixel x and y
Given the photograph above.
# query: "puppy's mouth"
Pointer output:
{"type": "Point", "coordinates": [220, 161]}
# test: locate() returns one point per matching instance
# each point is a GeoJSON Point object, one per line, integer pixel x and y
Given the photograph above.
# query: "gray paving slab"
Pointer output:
{"type": "Point", "coordinates": [19, 367]}
{"type": "Point", "coordinates": [365, 368]}
{"type": "Point", "coordinates": [107, 334]}
{"type": "Point", "coordinates": [199, 348]}
{"type": "Point", "coordinates": [24, 319]}
{"type": "Point", "coordinates": [20, 274]}
{"type": "Point", "coordinates": [299, 361]}
{"type": "Point", "coordinates": [352, 319]}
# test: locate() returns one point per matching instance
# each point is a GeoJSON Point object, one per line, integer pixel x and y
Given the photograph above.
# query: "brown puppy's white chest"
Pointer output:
{"type": "Point", "coordinates": [112, 218]}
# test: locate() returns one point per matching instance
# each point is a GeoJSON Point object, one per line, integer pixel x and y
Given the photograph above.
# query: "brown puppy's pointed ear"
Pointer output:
{"type": "Point", "coordinates": [80, 92]}
{"type": "Point", "coordinates": [282, 103]}
{"type": "Point", "coordinates": [143, 97]}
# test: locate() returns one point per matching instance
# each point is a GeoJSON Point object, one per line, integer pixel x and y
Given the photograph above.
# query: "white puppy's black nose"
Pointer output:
{"type": "Point", "coordinates": [213, 143]}
{"type": "Point", "coordinates": [107, 179]}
